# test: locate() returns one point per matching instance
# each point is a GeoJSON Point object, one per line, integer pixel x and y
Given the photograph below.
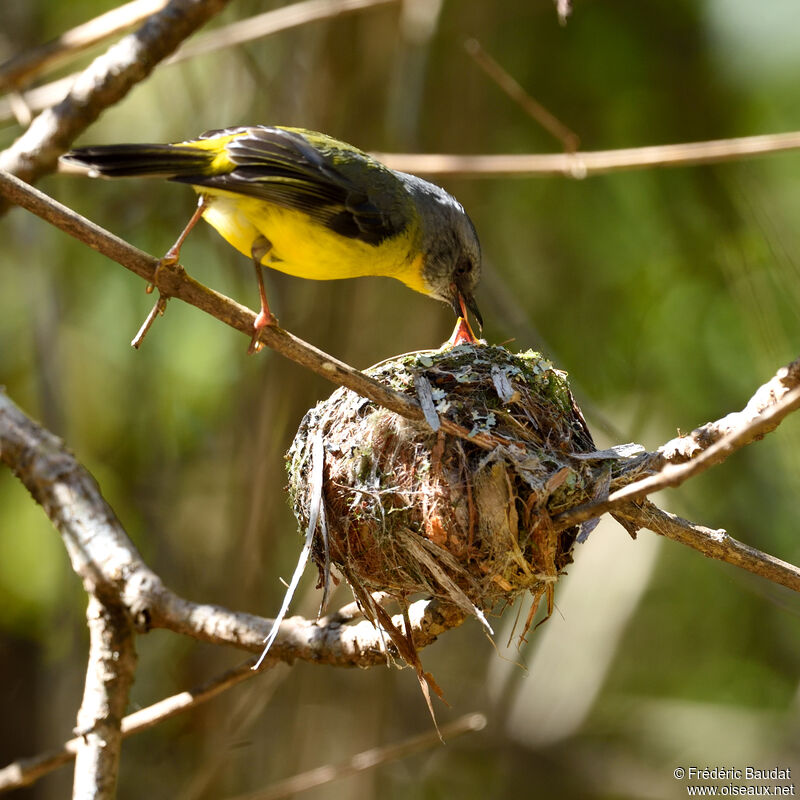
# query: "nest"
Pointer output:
{"type": "Point", "coordinates": [401, 508]}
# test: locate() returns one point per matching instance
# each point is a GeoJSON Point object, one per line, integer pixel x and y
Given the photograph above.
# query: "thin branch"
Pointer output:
{"type": "Point", "coordinates": [369, 759]}
{"type": "Point", "coordinates": [277, 20]}
{"type": "Point", "coordinates": [715, 544]}
{"type": "Point", "coordinates": [563, 9]}
{"type": "Point", "coordinates": [112, 662]}
{"type": "Point", "coordinates": [533, 108]}
{"type": "Point", "coordinates": [770, 405]}
{"type": "Point", "coordinates": [766, 396]}
{"type": "Point", "coordinates": [246, 30]}
{"type": "Point", "coordinates": [584, 163]}
{"type": "Point", "coordinates": [172, 281]}
{"type": "Point", "coordinates": [23, 66]}
{"type": "Point", "coordinates": [104, 82]}
{"type": "Point", "coordinates": [26, 771]}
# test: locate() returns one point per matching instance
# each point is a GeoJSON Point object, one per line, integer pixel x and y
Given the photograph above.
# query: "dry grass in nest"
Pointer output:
{"type": "Point", "coordinates": [409, 510]}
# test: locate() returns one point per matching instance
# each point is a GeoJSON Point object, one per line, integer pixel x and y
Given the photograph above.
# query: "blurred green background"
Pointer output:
{"type": "Point", "coordinates": [669, 295]}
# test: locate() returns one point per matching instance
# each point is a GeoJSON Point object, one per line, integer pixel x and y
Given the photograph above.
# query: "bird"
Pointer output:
{"type": "Point", "coordinates": [312, 206]}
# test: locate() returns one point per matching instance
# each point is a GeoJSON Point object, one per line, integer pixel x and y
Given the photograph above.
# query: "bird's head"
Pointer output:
{"type": "Point", "coordinates": [451, 250]}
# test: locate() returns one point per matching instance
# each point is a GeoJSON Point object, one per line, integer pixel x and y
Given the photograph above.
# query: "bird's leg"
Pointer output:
{"type": "Point", "coordinates": [173, 254]}
{"type": "Point", "coordinates": [170, 258]}
{"type": "Point", "coordinates": [259, 249]}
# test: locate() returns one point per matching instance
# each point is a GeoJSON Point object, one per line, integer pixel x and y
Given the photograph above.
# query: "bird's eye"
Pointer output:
{"type": "Point", "coordinates": [463, 267]}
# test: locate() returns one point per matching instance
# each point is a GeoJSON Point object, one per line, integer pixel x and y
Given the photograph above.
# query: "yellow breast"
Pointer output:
{"type": "Point", "coordinates": [306, 249]}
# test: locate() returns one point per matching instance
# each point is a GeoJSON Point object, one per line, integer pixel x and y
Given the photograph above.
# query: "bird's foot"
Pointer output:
{"type": "Point", "coordinates": [264, 319]}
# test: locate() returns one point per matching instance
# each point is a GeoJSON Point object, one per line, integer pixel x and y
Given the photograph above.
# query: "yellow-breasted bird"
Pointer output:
{"type": "Point", "coordinates": [306, 204]}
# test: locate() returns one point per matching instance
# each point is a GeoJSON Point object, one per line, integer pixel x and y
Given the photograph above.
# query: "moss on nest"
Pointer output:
{"type": "Point", "coordinates": [411, 510]}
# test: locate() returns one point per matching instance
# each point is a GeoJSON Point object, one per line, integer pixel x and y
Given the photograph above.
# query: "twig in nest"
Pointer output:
{"type": "Point", "coordinates": [316, 513]}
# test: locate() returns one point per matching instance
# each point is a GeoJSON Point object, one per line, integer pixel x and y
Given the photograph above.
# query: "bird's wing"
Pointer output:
{"type": "Point", "coordinates": [339, 187]}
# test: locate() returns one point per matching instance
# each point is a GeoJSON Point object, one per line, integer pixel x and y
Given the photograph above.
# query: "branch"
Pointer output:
{"type": "Point", "coordinates": [112, 569]}
{"type": "Point", "coordinates": [245, 30]}
{"type": "Point", "coordinates": [715, 544]}
{"type": "Point", "coordinates": [581, 164]}
{"type": "Point", "coordinates": [277, 20]}
{"type": "Point", "coordinates": [28, 770]}
{"type": "Point", "coordinates": [766, 397]}
{"type": "Point", "coordinates": [107, 80]}
{"type": "Point", "coordinates": [533, 108]}
{"type": "Point", "coordinates": [708, 445]}
{"type": "Point", "coordinates": [369, 759]}
{"type": "Point", "coordinates": [23, 66]}
{"type": "Point", "coordinates": [112, 662]}
{"type": "Point", "coordinates": [759, 416]}
{"type": "Point", "coordinates": [172, 281]}
{"type": "Point", "coordinates": [110, 566]}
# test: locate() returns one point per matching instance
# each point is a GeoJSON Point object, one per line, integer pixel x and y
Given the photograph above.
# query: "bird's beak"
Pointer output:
{"type": "Point", "coordinates": [464, 300]}
{"type": "Point", "coordinates": [469, 301]}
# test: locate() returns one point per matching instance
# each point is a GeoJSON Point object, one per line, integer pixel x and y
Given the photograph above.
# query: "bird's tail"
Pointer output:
{"type": "Point", "coordinates": [143, 160]}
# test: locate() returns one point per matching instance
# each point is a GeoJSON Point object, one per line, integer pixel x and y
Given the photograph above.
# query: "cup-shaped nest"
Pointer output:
{"type": "Point", "coordinates": [409, 509]}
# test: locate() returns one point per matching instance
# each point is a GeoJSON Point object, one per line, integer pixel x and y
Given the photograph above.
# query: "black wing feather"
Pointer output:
{"type": "Point", "coordinates": [282, 167]}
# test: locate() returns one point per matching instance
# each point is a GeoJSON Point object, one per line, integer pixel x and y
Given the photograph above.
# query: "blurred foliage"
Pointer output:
{"type": "Point", "coordinates": [668, 295]}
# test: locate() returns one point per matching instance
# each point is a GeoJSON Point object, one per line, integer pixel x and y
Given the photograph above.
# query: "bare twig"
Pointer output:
{"type": "Point", "coordinates": [246, 30]}
{"type": "Point", "coordinates": [112, 661]}
{"type": "Point", "coordinates": [172, 281]}
{"type": "Point", "coordinates": [771, 404]}
{"type": "Point", "coordinates": [563, 9]}
{"type": "Point", "coordinates": [582, 164]}
{"type": "Point", "coordinates": [715, 544]}
{"type": "Point", "coordinates": [369, 759]}
{"type": "Point", "coordinates": [105, 81]}
{"type": "Point", "coordinates": [766, 396]}
{"type": "Point", "coordinates": [533, 108]}
{"type": "Point", "coordinates": [271, 22]}
{"type": "Point", "coordinates": [27, 770]}
{"type": "Point", "coordinates": [22, 67]}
